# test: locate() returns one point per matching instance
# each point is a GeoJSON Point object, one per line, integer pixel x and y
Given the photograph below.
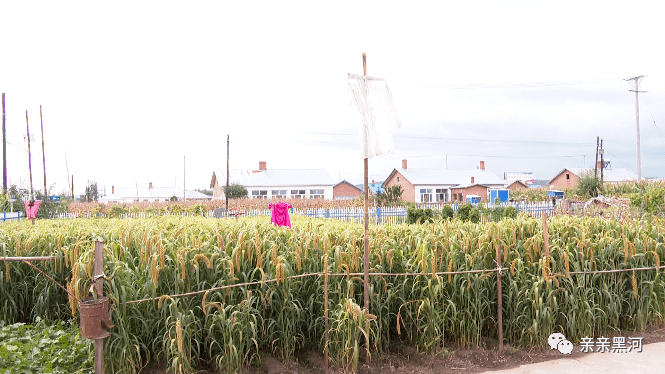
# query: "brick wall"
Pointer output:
{"type": "Point", "coordinates": [565, 180]}
{"type": "Point", "coordinates": [473, 190]}
{"type": "Point", "coordinates": [345, 189]}
{"type": "Point", "coordinates": [409, 193]}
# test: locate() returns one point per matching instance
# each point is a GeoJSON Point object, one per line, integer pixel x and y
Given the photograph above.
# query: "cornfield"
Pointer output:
{"type": "Point", "coordinates": [159, 258]}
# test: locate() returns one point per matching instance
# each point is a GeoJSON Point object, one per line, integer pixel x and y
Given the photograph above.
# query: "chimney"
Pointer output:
{"type": "Point", "coordinates": [262, 165]}
{"type": "Point", "coordinates": [473, 180]}
{"type": "Point", "coordinates": [404, 164]}
{"type": "Point", "coordinates": [150, 185]}
{"type": "Point", "coordinates": [482, 165]}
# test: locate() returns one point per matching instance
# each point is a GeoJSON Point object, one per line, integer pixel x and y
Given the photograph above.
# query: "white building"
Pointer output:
{"type": "Point", "coordinates": [276, 183]}
{"type": "Point", "coordinates": [149, 194]}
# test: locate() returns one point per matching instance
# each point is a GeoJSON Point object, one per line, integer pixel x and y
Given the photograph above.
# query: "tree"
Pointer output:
{"type": "Point", "coordinates": [589, 186]}
{"type": "Point", "coordinates": [390, 197]}
{"type": "Point", "coordinates": [91, 192]}
{"type": "Point", "coordinates": [235, 191]}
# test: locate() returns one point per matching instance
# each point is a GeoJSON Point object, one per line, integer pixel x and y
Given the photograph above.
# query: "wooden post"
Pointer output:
{"type": "Point", "coordinates": [546, 243]}
{"type": "Point", "coordinates": [498, 290]}
{"type": "Point", "coordinates": [226, 193]}
{"type": "Point", "coordinates": [325, 305]}
{"type": "Point", "coordinates": [4, 149]}
{"type": "Point", "coordinates": [366, 253]}
{"type": "Point", "coordinates": [99, 270]}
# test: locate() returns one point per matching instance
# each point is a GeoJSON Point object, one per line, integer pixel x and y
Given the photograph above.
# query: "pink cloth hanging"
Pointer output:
{"type": "Point", "coordinates": [280, 214]}
{"type": "Point", "coordinates": [31, 211]}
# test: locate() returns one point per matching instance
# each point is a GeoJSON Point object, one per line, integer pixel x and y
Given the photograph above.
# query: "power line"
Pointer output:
{"type": "Point", "coordinates": [444, 138]}
{"type": "Point", "coordinates": [492, 156]}
{"type": "Point", "coordinates": [654, 121]}
{"type": "Point", "coordinates": [525, 85]}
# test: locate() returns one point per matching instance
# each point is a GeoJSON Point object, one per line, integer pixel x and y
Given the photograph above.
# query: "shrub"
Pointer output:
{"type": "Point", "coordinates": [474, 215]}
{"type": "Point", "coordinates": [510, 212]}
{"type": "Point", "coordinates": [589, 186]}
{"type": "Point", "coordinates": [447, 212]}
{"type": "Point", "coordinates": [463, 212]}
{"type": "Point", "coordinates": [419, 215]}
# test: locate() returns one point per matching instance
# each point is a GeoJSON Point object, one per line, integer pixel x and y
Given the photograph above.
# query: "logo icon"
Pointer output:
{"type": "Point", "coordinates": [558, 341]}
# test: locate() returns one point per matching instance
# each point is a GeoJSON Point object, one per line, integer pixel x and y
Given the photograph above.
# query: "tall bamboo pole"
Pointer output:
{"type": "Point", "coordinates": [366, 205]}
{"type": "Point", "coordinates": [27, 126]}
{"type": "Point", "coordinates": [41, 119]}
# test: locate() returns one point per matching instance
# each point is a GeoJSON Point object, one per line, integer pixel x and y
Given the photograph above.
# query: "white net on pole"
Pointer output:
{"type": "Point", "coordinates": [377, 112]}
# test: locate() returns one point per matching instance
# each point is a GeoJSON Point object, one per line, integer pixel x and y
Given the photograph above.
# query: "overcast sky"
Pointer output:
{"type": "Point", "coordinates": [130, 88]}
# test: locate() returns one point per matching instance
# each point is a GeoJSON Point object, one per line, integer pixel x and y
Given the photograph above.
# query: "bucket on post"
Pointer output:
{"type": "Point", "coordinates": [94, 313]}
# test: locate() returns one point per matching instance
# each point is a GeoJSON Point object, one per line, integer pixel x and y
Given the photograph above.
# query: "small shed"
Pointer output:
{"type": "Point", "coordinates": [555, 194]}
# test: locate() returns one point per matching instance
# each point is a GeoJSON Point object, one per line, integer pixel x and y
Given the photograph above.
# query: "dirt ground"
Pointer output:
{"type": "Point", "coordinates": [405, 360]}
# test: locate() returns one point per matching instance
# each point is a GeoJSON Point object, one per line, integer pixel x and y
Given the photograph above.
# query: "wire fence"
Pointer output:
{"type": "Point", "coordinates": [377, 215]}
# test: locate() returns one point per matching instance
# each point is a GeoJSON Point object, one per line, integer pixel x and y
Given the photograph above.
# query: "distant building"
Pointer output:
{"type": "Point", "coordinates": [149, 194]}
{"type": "Point", "coordinates": [443, 185]}
{"type": "Point", "coordinates": [525, 177]}
{"type": "Point", "coordinates": [570, 177]}
{"type": "Point", "coordinates": [346, 191]}
{"type": "Point", "coordinates": [276, 183]}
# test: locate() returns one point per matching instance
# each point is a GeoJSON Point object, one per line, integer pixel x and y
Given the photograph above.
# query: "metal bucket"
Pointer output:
{"type": "Point", "coordinates": [93, 314]}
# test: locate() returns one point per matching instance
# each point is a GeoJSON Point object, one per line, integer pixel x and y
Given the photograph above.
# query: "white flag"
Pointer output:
{"type": "Point", "coordinates": [377, 111]}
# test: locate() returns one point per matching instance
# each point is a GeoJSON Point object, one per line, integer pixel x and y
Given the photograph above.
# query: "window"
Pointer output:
{"type": "Point", "coordinates": [398, 179]}
{"type": "Point", "coordinates": [567, 176]}
{"type": "Point", "coordinates": [426, 195]}
{"type": "Point", "coordinates": [297, 194]}
{"type": "Point", "coordinates": [314, 194]}
{"type": "Point", "coordinates": [278, 194]}
{"type": "Point", "coordinates": [259, 194]}
{"type": "Point", "coordinates": [441, 195]}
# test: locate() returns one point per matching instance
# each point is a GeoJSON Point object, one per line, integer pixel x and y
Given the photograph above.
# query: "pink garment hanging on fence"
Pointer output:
{"type": "Point", "coordinates": [31, 211]}
{"type": "Point", "coordinates": [280, 214]}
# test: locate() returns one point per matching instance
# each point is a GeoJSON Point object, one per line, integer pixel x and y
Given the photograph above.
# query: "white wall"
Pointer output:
{"type": "Point", "coordinates": [327, 191]}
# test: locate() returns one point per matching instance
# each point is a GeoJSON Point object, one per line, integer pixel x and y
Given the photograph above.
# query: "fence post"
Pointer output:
{"type": "Point", "coordinates": [99, 271]}
{"type": "Point", "coordinates": [378, 214]}
{"type": "Point", "coordinates": [498, 290]}
{"type": "Point", "coordinates": [517, 206]}
{"type": "Point", "coordinates": [327, 213]}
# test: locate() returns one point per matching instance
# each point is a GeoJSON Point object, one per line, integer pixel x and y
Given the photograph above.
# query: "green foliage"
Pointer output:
{"type": "Point", "coordinates": [510, 212]}
{"type": "Point", "coordinates": [589, 186]}
{"type": "Point", "coordinates": [419, 215]}
{"type": "Point", "coordinates": [173, 198]}
{"type": "Point", "coordinates": [199, 209]}
{"type": "Point", "coordinates": [652, 200]}
{"type": "Point", "coordinates": [91, 192]}
{"type": "Point", "coordinates": [117, 210]}
{"type": "Point", "coordinates": [175, 209]}
{"type": "Point", "coordinates": [235, 191]}
{"type": "Point", "coordinates": [391, 197]}
{"type": "Point", "coordinates": [447, 212]}
{"type": "Point", "coordinates": [44, 349]}
{"type": "Point", "coordinates": [474, 215]}
{"type": "Point", "coordinates": [463, 211]}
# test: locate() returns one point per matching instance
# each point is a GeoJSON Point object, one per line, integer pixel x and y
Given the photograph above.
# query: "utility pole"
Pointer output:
{"type": "Point", "coordinates": [595, 173]}
{"type": "Point", "coordinates": [226, 193]}
{"type": "Point", "coordinates": [446, 161]}
{"type": "Point", "coordinates": [184, 194]}
{"type": "Point", "coordinates": [73, 199]}
{"type": "Point", "coordinates": [27, 126]}
{"type": "Point", "coordinates": [43, 153]}
{"type": "Point", "coordinates": [635, 81]}
{"type": "Point", "coordinates": [4, 148]}
{"type": "Point", "coordinates": [602, 160]}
